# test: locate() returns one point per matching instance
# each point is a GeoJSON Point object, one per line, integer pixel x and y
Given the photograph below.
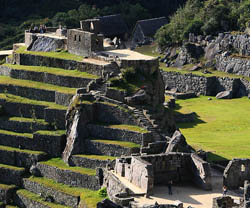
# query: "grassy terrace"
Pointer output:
{"type": "Point", "coordinates": [126, 127]}
{"type": "Point", "coordinates": [23, 119]}
{"type": "Point", "coordinates": [37, 85]}
{"type": "Point", "coordinates": [17, 99]}
{"type": "Point", "coordinates": [11, 149]}
{"type": "Point", "coordinates": [119, 143]}
{"type": "Point", "coordinates": [90, 197]}
{"type": "Point", "coordinates": [51, 133]}
{"type": "Point", "coordinates": [4, 186]}
{"type": "Point", "coordinates": [59, 163]}
{"type": "Point", "coordinates": [37, 198]}
{"type": "Point", "coordinates": [221, 126]}
{"type": "Point", "coordinates": [50, 70]}
{"type": "Point", "coordinates": [11, 167]}
{"type": "Point", "coordinates": [12, 133]}
{"type": "Point", "coordinates": [59, 55]}
{"type": "Point", "coordinates": [97, 157]}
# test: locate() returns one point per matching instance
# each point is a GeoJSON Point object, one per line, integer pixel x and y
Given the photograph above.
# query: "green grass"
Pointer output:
{"type": "Point", "coordinates": [28, 120]}
{"type": "Point", "coordinates": [12, 149]}
{"type": "Point", "coordinates": [51, 133]}
{"type": "Point", "coordinates": [37, 198]}
{"type": "Point", "coordinates": [56, 71]}
{"type": "Point", "coordinates": [119, 143]}
{"type": "Point", "coordinates": [149, 50]}
{"type": "Point", "coordinates": [12, 133]}
{"type": "Point", "coordinates": [60, 55]}
{"type": "Point", "coordinates": [17, 99]}
{"type": "Point", "coordinates": [222, 126]}
{"type": "Point", "coordinates": [37, 85]}
{"type": "Point", "coordinates": [5, 186]}
{"type": "Point", "coordinates": [11, 167]}
{"type": "Point", "coordinates": [59, 163]}
{"type": "Point", "coordinates": [97, 157]}
{"type": "Point", "coordinates": [129, 127]}
{"type": "Point", "coordinates": [9, 206]}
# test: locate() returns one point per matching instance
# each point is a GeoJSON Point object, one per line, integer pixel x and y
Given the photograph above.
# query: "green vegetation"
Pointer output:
{"type": "Point", "coordinates": [221, 126]}
{"type": "Point", "coordinates": [59, 55]}
{"type": "Point", "coordinates": [119, 143]}
{"type": "Point", "coordinates": [12, 133]}
{"type": "Point", "coordinates": [4, 80]}
{"type": "Point", "coordinates": [51, 133]}
{"type": "Point", "coordinates": [12, 149]}
{"type": "Point", "coordinates": [37, 198]}
{"type": "Point", "coordinates": [129, 127]}
{"type": "Point", "coordinates": [204, 18]}
{"type": "Point", "coordinates": [28, 120]}
{"type": "Point", "coordinates": [103, 192]}
{"type": "Point", "coordinates": [5, 186]}
{"type": "Point", "coordinates": [59, 163]}
{"type": "Point", "coordinates": [56, 71]}
{"type": "Point", "coordinates": [17, 99]}
{"type": "Point", "coordinates": [11, 167]}
{"type": "Point", "coordinates": [97, 157]}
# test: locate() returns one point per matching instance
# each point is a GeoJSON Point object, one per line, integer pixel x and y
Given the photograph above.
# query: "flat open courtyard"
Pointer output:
{"type": "Point", "coordinates": [221, 126]}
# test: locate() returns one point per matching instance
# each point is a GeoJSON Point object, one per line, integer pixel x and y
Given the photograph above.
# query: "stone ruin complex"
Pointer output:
{"type": "Point", "coordinates": [65, 123]}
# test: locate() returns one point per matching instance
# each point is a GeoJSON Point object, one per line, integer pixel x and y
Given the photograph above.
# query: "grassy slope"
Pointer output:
{"type": "Point", "coordinates": [222, 126]}
{"type": "Point", "coordinates": [120, 143]}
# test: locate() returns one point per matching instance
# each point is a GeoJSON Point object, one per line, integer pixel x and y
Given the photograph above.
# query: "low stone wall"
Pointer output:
{"type": "Point", "coordinates": [98, 131]}
{"type": "Point", "coordinates": [59, 197]}
{"type": "Point", "coordinates": [209, 86]}
{"type": "Point", "coordinates": [49, 78]}
{"type": "Point", "coordinates": [236, 172]}
{"type": "Point", "coordinates": [239, 66]}
{"type": "Point", "coordinates": [53, 145]}
{"type": "Point", "coordinates": [63, 98]}
{"type": "Point", "coordinates": [55, 117]}
{"type": "Point", "coordinates": [98, 148]}
{"type": "Point", "coordinates": [69, 177]}
{"type": "Point", "coordinates": [23, 109]}
{"type": "Point", "coordinates": [85, 162]}
{"type": "Point", "coordinates": [115, 114]}
{"type": "Point", "coordinates": [28, 92]}
{"type": "Point", "coordinates": [6, 194]}
{"type": "Point", "coordinates": [20, 159]}
{"type": "Point", "coordinates": [11, 176]}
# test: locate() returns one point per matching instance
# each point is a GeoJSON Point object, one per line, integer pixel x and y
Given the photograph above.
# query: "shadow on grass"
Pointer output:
{"type": "Point", "coordinates": [217, 159]}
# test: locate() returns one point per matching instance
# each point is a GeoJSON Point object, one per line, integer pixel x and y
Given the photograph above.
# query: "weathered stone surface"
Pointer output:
{"type": "Point", "coordinates": [224, 95]}
{"type": "Point", "coordinates": [7, 193]}
{"type": "Point", "coordinates": [115, 94]}
{"type": "Point", "coordinates": [11, 175]}
{"type": "Point", "coordinates": [221, 202]}
{"type": "Point", "coordinates": [177, 143]}
{"type": "Point", "coordinates": [47, 44]}
{"type": "Point", "coordinates": [106, 203]}
{"type": "Point", "coordinates": [55, 117]}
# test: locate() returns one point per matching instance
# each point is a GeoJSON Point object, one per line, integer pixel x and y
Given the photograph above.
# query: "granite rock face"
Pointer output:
{"type": "Point", "coordinates": [224, 95]}
{"type": "Point", "coordinates": [47, 44]}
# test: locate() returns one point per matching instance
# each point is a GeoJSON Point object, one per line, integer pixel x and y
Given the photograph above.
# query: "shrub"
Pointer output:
{"type": "Point", "coordinates": [103, 192]}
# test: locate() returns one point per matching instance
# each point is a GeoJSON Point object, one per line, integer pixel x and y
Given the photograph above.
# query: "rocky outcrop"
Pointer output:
{"type": "Point", "coordinates": [177, 143]}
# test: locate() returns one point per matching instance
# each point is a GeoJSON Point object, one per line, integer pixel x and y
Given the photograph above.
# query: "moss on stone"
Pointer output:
{"type": "Point", "coordinates": [37, 198]}
{"type": "Point", "coordinates": [119, 143]}
{"type": "Point", "coordinates": [51, 70]}
{"type": "Point", "coordinates": [97, 157]}
{"type": "Point", "coordinates": [5, 186]}
{"type": "Point", "coordinates": [12, 133]}
{"type": "Point", "coordinates": [12, 149]}
{"type": "Point", "coordinates": [36, 85]}
{"type": "Point", "coordinates": [59, 163]}
{"type": "Point", "coordinates": [17, 99]}
{"type": "Point", "coordinates": [51, 133]}
{"type": "Point", "coordinates": [60, 55]}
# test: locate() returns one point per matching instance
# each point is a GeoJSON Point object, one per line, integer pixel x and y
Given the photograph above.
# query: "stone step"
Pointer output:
{"type": "Point", "coordinates": [20, 157]}
{"type": "Point", "coordinates": [26, 198]}
{"type": "Point", "coordinates": [60, 193]}
{"type": "Point", "coordinates": [33, 90]}
{"type": "Point", "coordinates": [11, 174]}
{"type": "Point", "coordinates": [126, 133]}
{"type": "Point", "coordinates": [91, 161]}
{"type": "Point", "coordinates": [7, 193]}
{"type": "Point", "coordinates": [111, 147]}
{"type": "Point", "coordinates": [60, 172]}
{"type": "Point", "coordinates": [22, 124]}
{"type": "Point", "coordinates": [48, 75]}
{"type": "Point", "coordinates": [23, 107]}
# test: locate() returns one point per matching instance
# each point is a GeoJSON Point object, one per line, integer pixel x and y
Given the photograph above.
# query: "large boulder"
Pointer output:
{"type": "Point", "coordinates": [212, 50]}
{"type": "Point", "coordinates": [47, 44]}
{"type": "Point", "coordinates": [177, 143]}
{"type": "Point", "coordinates": [224, 95]}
